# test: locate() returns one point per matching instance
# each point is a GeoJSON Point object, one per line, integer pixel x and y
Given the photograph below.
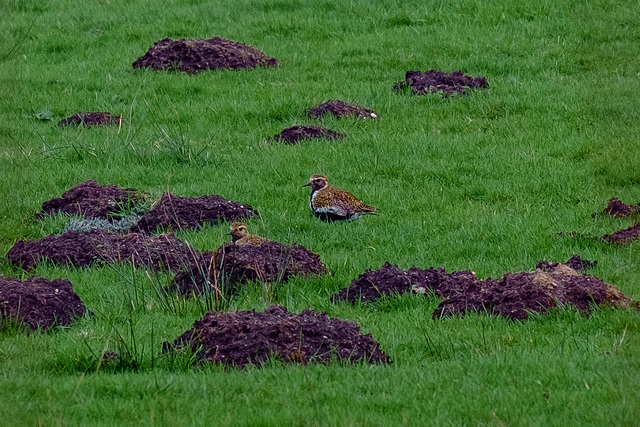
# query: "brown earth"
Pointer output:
{"type": "Point", "coordinates": [196, 55]}
{"type": "Point", "coordinates": [620, 237]}
{"type": "Point", "coordinates": [575, 262]}
{"type": "Point", "coordinates": [235, 265]}
{"type": "Point", "coordinates": [92, 200]}
{"type": "Point", "coordinates": [390, 280]}
{"type": "Point", "coordinates": [619, 209]}
{"type": "Point", "coordinates": [178, 213]}
{"type": "Point", "coordinates": [246, 337]}
{"type": "Point", "coordinates": [83, 249]}
{"type": "Point", "coordinates": [624, 236]}
{"type": "Point", "coordinates": [433, 81]}
{"type": "Point", "coordinates": [340, 109]}
{"type": "Point", "coordinates": [91, 119]}
{"type": "Point", "coordinates": [295, 134]}
{"type": "Point", "coordinates": [514, 295]}
{"type": "Point", "coordinates": [39, 302]}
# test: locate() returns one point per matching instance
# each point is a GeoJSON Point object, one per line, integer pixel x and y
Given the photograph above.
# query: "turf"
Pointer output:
{"type": "Point", "coordinates": [482, 182]}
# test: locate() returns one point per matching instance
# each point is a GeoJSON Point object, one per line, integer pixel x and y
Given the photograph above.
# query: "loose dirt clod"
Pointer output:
{"type": "Point", "coordinates": [91, 119]}
{"type": "Point", "coordinates": [341, 109]}
{"type": "Point", "coordinates": [295, 134]}
{"type": "Point", "coordinates": [231, 265]}
{"type": "Point", "coordinates": [433, 81]}
{"type": "Point", "coordinates": [92, 200]}
{"type": "Point", "coordinates": [39, 302]}
{"type": "Point", "coordinates": [619, 209]}
{"type": "Point", "coordinates": [196, 55]}
{"type": "Point", "coordinates": [243, 337]}
{"type": "Point", "coordinates": [83, 249]}
{"type": "Point", "coordinates": [179, 213]}
{"type": "Point", "coordinates": [514, 295]}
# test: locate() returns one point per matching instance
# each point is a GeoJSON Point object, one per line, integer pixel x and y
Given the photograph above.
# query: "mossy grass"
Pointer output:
{"type": "Point", "coordinates": [483, 182]}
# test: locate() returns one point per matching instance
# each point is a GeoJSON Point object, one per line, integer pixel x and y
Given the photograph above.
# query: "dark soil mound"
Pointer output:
{"type": "Point", "coordinates": [437, 81]}
{"type": "Point", "coordinates": [619, 209]}
{"type": "Point", "coordinates": [92, 200]}
{"type": "Point", "coordinates": [235, 265]}
{"type": "Point", "coordinates": [195, 55]}
{"type": "Point", "coordinates": [243, 337]}
{"type": "Point", "coordinates": [84, 248]}
{"type": "Point", "coordinates": [179, 213]}
{"type": "Point", "coordinates": [296, 134]}
{"type": "Point", "coordinates": [39, 302]}
{"type": "Point", "coordinates": [91, 119]}
{"type": "Point", "coordinates": [390, 280]}
{"type": "Point", "coordinates": [624, 236]}
{"type": "Point", "coordinates": [199, 278]}
{"type": "Point", "coordinates": [341, 109]}
{"type": "Point", "coordinates": [513, 296]}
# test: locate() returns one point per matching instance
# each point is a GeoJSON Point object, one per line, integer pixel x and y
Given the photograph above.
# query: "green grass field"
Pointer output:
{"type": "Point", "coordinates": [482, 182]}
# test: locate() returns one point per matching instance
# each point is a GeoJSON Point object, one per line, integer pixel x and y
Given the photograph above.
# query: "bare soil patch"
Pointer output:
{"type": "Point", "coordinates": [247, 337]}
{"type": "Point", "coordinates": [232, 265]}
{"type": "Point", "coordinates": [92, 200]}
{"type": "Point", "coordinates": [179, 213]}
{"type": "Point", "coordinates": [196, 55]}
{"type": "Point", "coordinates": [296, 134]}
{"type": "Point", "coordinates": [514, 296]}
{"type": "Point", "coordinates": [433, 81]}
{"type": "Point", "coordinates": [619, 209]}
{"type": "Point", "coordinates": [91, 119]}
{"type": "Point", "coordinates": [82, 249]}
{"type": "Point", "coordinates": [39, 302]}
{"type": "Point", "coordinates": [340, 109]}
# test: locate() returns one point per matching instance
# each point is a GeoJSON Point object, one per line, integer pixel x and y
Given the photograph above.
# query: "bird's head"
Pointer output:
{"type": "Point", "coordinates": [317, 182]}
{"type": "Point", "coordinates": [238, 230]}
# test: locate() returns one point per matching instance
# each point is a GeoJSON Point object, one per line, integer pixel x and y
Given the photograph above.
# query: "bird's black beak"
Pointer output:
{"type": "Point", "coordinates": [308, 184]}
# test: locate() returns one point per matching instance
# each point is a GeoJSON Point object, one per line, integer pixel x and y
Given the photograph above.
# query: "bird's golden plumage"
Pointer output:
{"type": "Point", "coordinates": [240, 235]}
{"type": "Point", "coordinates": [331, 203]}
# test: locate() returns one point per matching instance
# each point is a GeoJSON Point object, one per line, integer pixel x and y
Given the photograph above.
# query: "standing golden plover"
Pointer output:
{"type": "Point", "coordinates": [330, 203]}
{"type": "Point", "coordinates": [241, 237]}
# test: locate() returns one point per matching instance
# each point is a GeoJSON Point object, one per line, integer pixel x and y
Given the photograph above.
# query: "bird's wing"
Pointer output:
{"type": "Point", "coordinates": [349, 203]}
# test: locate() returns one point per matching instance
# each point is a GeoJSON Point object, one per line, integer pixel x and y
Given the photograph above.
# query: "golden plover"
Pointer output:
{"type": "Point", "coordinates": [330, 203]}
{"type": "Point", "coordinates": [241, 237]}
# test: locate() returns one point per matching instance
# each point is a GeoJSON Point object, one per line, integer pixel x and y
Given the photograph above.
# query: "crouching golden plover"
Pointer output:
{"type": "Point", "coordinates": [241, 237]}
{"type": "Point", "coordinates": [330, 203]}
